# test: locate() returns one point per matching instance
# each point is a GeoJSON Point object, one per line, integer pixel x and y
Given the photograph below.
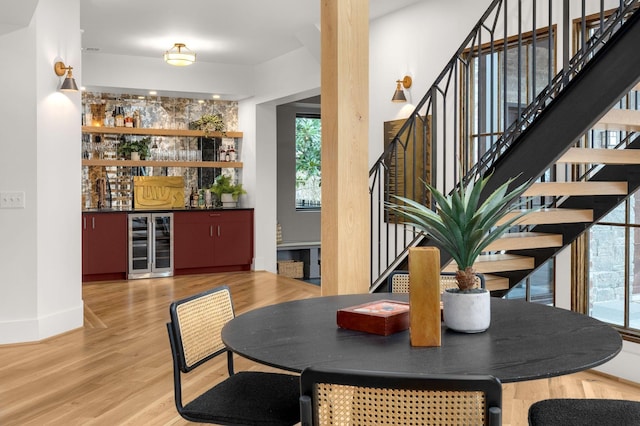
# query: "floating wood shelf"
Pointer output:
{"type": "Point", "coordinates": [157, 132]}
{"type": "Point", "coordinates": [144, 163]}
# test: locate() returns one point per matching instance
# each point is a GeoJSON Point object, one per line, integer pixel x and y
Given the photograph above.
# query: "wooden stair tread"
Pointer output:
{"type": "Point", "coordinates": [487, 263]}
{"type": "Point", "coordinates": [496, 282]}
{"type": "Point", "coordinates": [619, 119]}
{"type": "Point", "coordinates": [576, 188]}
{"type": "Point", "coordinates": [600, 156]}
{"type": "Point", "coordinates": [551, 216]}
{"type": "Point", "coordinates": [525, 240]}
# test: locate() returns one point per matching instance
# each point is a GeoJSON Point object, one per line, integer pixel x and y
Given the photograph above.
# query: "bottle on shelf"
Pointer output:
{"type": "Point", "coordinates": [193, 199]}
{"type": "Point", "coordinates": [118, 116]}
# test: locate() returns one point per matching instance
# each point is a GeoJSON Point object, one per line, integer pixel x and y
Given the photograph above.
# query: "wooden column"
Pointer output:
{"type": "Point", "coordinates": [345, 141]}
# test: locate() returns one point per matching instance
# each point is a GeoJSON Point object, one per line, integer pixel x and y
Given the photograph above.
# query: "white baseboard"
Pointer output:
{"type": "Point", "coordinates": [36, 329]}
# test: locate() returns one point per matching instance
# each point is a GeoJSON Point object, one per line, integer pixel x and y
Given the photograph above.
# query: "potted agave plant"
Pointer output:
{"type": "Point", "coordinates": [464, 227]}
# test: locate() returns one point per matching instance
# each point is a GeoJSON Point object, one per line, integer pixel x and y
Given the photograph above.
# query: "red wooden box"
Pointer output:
{"type": "Point", "coordinates": [382, 317]}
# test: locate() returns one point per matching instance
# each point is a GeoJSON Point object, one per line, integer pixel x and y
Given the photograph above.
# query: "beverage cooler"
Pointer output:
{"type": "Point", "coordinates": [150, 245]}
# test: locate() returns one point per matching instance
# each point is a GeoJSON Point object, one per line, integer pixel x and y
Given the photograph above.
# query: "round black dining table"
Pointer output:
{"type": "Point", "coordinates": [525, 341]}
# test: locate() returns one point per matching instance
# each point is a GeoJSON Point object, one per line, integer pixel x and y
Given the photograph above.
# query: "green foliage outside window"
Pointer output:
{"type": "Point", "coordinates": [308, 156]}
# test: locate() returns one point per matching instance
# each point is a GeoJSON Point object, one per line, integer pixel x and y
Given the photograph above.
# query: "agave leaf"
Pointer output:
{"type": "Point", "coordinates": [458, 224]}
{"type": "Point", "coordinates": [473, 198]}
{"type": "Point", "coordinates": [427, 221]}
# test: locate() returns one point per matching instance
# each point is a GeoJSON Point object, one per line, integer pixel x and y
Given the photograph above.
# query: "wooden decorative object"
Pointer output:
{"type": "Point", "coordinates": [424, 296]}
{"type": "Point", "coordinates": [382, 317]}
{"type": "Point", "coordinates": [158, 192]}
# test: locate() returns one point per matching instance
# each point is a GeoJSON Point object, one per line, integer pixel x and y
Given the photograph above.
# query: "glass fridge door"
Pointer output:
{"type": "Point", "coordinates": [139, 244]}
{"type": "Point", "coordinates": [163, 244]}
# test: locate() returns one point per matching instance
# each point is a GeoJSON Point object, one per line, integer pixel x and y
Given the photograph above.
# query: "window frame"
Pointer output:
{"type": "Point", "coordinates": [308, 115]}
{"type": "Point", "coordinates": [581, 283]}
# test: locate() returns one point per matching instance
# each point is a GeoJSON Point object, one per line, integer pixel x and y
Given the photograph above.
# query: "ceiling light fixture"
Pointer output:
{"type": "Point", "coordinates": [69, 83]}
{"type": "Point", "coordinates": [398, 96]}
{"type": "Point", "coordinates": [179, 55]}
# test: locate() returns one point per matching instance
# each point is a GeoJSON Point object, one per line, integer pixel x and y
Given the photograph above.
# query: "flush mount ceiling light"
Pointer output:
{"type": "Point", "coordinates": [179, 55]}
{"type": "Point", "coordinates": [69, 83]}
{"type": "Point", "coordinates": [398, 96]}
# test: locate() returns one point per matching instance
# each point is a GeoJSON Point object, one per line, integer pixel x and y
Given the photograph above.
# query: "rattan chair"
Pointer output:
{"type": "Point", "coordinates": [584, 412]}
{"type": "Point", "coordinates": [335, 397]}
{"type": "Point", "coordinates": [244, 398]}
{"type": "Point", "coordinates": [398, 281]}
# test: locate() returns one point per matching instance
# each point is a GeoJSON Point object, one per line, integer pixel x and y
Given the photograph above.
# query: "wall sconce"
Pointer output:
{"type": "Point", "coordinates": [179, 55]}
{"type": "Point", "coordinates": [398, 96]}
{"type": "Point", "coordinates": [69, 84]}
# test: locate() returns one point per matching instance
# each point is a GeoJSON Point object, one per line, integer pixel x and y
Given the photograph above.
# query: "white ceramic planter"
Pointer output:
{"type": "Point", "coordinates": [228, 201]}
{"type": "Point", "coordinates": [135, 156]}
{"type": "Point", "coordinates": [467, 312]}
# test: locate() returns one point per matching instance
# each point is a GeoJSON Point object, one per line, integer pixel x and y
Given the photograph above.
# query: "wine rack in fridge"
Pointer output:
{"type": "Point", "coordinates": [150, 245]}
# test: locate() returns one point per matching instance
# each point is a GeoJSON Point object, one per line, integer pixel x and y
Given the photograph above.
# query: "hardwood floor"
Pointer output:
{"type": "Point", "coordinates": [117, 369]}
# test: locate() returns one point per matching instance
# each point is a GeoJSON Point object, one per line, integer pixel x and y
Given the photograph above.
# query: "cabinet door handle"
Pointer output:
{"type": "Point", "coordinates": [84, 223]}
{"type": "Point", "coordinates": [218, 230]}
{"type": "Point", "coordinates": [211, 231]}
{"type": "Point", "coordinates": [93, 223]}
{"type": "Point", "coordinates": [152, 245]}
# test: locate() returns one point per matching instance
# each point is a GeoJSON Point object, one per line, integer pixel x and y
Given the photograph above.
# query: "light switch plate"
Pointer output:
{"type": "Point", "coordinates": [12, 200]}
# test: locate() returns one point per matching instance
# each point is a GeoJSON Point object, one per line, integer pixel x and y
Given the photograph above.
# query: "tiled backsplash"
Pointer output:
{"type": "Point", "coordinates": [154, 112]}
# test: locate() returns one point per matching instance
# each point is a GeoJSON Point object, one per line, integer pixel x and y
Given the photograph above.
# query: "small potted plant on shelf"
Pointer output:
{"type": "Point", "coordinates": [464, 227]}
{"type": "Point", "coordinates": [134, 149]}
{"type": "Point", "coordinates": [226, 191]}
{"type": "Point", "coordinates": [208, 123]}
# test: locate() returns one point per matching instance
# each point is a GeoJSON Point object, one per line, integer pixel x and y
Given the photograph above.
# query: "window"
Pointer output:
{"type": "Point", "coordinates": [308, 176]}
{"type": "Point", "coordinates": [499, 99]}
{"type": "Point", "coordinates": [503, 80]}
{"type": "Point", "coordinates": [612, 270]}
{"type": "Point", "coordinates": [614, 266]}
{"type": "Point", "coordinates": [536, 288]}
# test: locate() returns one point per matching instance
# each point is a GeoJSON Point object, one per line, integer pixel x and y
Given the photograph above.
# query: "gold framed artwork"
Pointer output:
{"type": "Point", "coordinates": [409, 163]}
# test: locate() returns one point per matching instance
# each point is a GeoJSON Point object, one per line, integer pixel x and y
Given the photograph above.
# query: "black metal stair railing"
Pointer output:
{"type": "Point", "coordinates": [500, 80]}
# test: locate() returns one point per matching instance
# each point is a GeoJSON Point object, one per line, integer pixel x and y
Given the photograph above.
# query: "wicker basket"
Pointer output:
{"type": "Point", "coordinates": [291, 268]}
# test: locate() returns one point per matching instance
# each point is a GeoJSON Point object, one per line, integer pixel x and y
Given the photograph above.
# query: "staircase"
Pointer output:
{"type": "Point", "coordinates": [548, 136]}
{"type": "Point", "coordinates": [584, 203]}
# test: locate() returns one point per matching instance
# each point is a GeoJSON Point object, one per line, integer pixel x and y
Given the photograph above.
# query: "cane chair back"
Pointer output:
{"type": "Point", "coordinates": [199, 321]}
{"type": "Point", "coordinates": [335, 397]}
{"type": "Point", "coordinates": [399, 281]}
{"type": "Point", "coordinates": [243, 398]}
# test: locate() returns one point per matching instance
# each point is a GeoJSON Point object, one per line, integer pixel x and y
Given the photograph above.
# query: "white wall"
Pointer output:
{"type": "Point", "coordinates": [417, 41]}
{"type": "Point", "coordinates": [40, 245]}
{"type": "Point", "coordinates": [291, 77]}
